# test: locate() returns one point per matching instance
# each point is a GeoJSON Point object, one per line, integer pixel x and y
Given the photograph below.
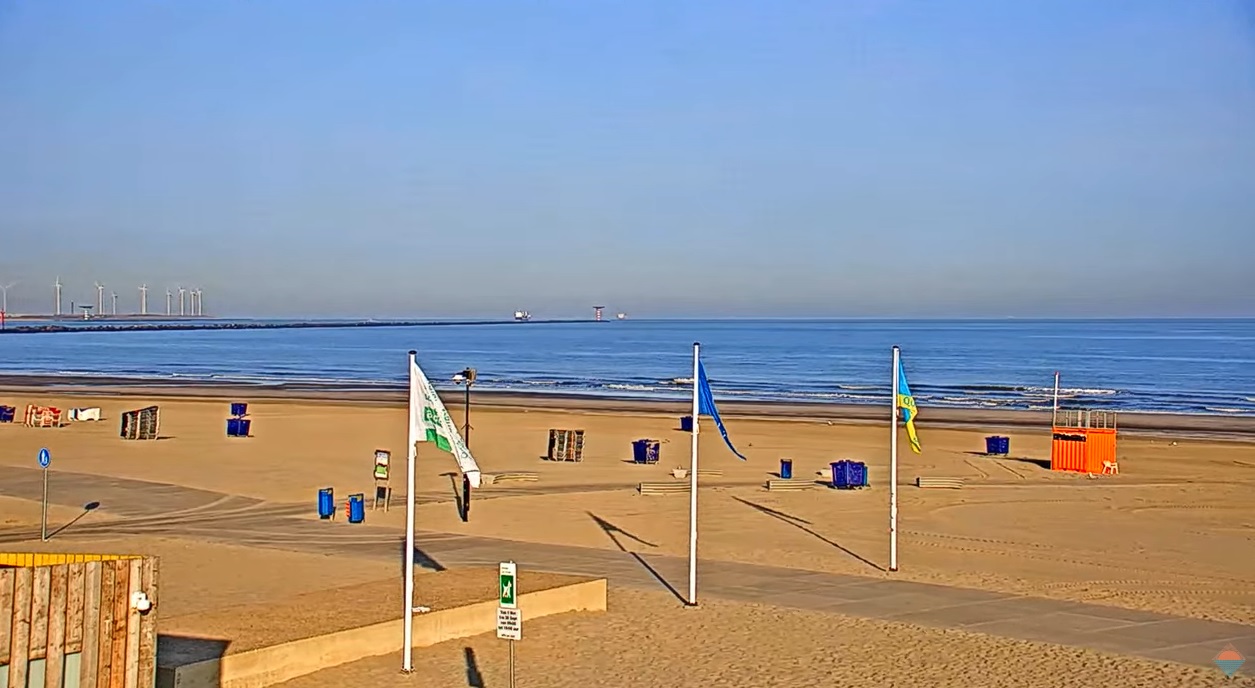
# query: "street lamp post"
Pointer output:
{"type": "Point", "coordinates": [466, 378]}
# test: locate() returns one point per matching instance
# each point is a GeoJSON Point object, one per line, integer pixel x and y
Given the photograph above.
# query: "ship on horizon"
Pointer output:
{"type": "Point", "coordinates": [522, 316]}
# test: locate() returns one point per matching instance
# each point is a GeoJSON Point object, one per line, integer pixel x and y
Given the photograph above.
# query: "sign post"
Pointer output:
{"type": "Point", "coordinates": [45, 460]}
{"type": "Point", "coordinates": [509, 621]}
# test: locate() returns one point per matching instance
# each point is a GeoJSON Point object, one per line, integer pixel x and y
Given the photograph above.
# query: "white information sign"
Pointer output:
{"type": "Point", "coordinates": [509, 624]}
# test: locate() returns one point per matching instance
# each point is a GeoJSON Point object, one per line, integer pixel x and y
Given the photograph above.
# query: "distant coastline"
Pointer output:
{"type": "Point", "coordinates": [32, 387]}
{"type": "Point", "coordinates": [107, 324]}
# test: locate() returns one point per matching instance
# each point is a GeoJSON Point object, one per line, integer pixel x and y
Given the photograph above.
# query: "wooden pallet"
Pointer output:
{"type": "Point", "coordinates": [789, 485]}
{"type": "Point", "coordinates": [661, 488]}
{"type": "Point", "coordinates": [944, 483]}
{"type": "Point", "coordinates": [512, 477]}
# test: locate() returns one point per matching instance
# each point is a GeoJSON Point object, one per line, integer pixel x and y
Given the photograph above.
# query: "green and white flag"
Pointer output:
{"type": "Point", "coordinates": [430, 422]}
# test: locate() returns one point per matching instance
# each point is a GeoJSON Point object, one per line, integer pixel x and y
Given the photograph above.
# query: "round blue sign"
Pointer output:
{"type": "Point", "coordinates": [45, 459]}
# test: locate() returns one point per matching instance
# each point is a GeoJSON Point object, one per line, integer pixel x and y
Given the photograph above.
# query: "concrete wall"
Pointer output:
{"type": "Point", "coordinates": [269, 665]}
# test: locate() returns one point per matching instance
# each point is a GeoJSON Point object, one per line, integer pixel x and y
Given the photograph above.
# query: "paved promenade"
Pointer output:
{"type": "Point", "coordinates": [171, 510]}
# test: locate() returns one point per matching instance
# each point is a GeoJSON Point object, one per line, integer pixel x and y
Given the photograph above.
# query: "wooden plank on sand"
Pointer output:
{"type": "Point", "coordinates": [121, 609]}
{"type": "Point", "coordinates": [39, 612]}
{"type": "Point", "coordinates": [148, 626]}
{"type": "Point", "coordinates": [104, 632]}
{"type": "Point", "coordinates": [6, 613]}
{"type": "Point", "coordinates": [135, 584]}
{"type": "Point", "coordinates": [74, 607]}
{"type": "Point", "coordinates": [89, 661]}
{"type": "Point", "coordinates": [54, 666]}
{"type": "Point", "coordinates": [19, 642]}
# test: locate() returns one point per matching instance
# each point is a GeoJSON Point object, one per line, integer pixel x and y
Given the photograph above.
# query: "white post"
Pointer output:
{"type": "Point", "coordinates": [1054, 415]}
{"type": "Point", "coordinates": [893, 467]}
{"type": "Point", "coordinates": [693, 487]}
{"type": "Point", "coordinates": [407, 660]}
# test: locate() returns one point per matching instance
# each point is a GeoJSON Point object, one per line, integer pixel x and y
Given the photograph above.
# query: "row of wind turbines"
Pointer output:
{"type": "Point", "coordinates": [191, 301]}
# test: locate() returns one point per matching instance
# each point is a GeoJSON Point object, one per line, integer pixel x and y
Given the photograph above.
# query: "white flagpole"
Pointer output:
{"type": "Point", "coordinates": [1054, 416]}
{"type": "Point", "coordinates": [693, 487]}
{"type": "Point", "coordinates": [407, 663]}
{"type": "Point", "coordinates": [893, 467]}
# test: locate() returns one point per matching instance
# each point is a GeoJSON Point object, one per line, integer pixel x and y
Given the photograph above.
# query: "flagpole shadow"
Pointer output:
{"type": "Point", "coordinates": [804, 526]}
{"type": "Point", "coordinates": [610, 529]}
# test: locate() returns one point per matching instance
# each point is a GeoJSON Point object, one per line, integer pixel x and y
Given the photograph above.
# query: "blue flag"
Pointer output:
{"type": "Point", "coordinates": [706, 407]}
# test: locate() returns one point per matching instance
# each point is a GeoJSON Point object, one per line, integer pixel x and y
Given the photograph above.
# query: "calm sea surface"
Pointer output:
{"type": "Point", "coordinates": [1185, 366]}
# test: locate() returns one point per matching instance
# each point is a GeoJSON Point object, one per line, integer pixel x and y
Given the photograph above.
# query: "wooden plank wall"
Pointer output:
{"type": "Point", "coordinates": [48, 612]}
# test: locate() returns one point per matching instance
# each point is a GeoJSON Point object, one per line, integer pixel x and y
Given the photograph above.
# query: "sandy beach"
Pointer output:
{"type": "Point", "coordinates": [1173, 533]}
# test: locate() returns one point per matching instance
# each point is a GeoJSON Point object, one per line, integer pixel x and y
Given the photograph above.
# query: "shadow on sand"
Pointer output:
{"type": "Point", "coordinates": [804, 525]}
{"type": "Point", "coordinates": [612, 531]}
{"type": "Point", "coordinates": [474, 677]}
{"type": "Point", "coordinates": [87, 509]}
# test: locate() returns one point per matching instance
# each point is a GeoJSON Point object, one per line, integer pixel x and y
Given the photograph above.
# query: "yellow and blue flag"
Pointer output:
{"type": "Point", "coordinates": [706, 407]}
{"type": "Point", "coordinates": [906, 402]}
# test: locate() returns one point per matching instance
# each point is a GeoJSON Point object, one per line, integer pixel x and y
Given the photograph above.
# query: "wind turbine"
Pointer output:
{"type": "Point", "coordinates": [57, 284]}
{"type": "Point", "coordinates": [100, 298]}
{"type": "Point", "coordinates": [143, 299]}
{"type": "Point", "coordinates": [169, 298]}
{"type": "Point", "coordinates": [200, 301]}
{"type": "Point", "coordinates": [115, 302]}
{"type": "Point", "coordinates": [4, 301]}
{"type": "Point", "coordinates": [182, 310]}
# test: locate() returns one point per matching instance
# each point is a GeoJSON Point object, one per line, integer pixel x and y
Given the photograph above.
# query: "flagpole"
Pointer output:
{"type": "Point", "coordinates": [692, 601]}
{"type": "Point", "coordinates": [407, 664]}
{"type": "Point", "coordinates": [893, 466]}
{"type": "Point", "coordinates": [1054, 415]}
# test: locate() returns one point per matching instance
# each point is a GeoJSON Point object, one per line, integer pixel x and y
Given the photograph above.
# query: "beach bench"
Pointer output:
{"type": "Point", "coordinates": [789, 485]}
{"type": "Point", "coordinates": [682, 473]}
{"type": "Point", "coordinates": [943, 483]}
{"type": "Point", "coordinates": [512, 477]}
{"type": "Point", "coordinates": [661, 488]}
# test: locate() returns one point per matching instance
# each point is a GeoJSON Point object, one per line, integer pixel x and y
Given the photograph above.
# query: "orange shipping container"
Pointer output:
{"type": "Point", "coordinates": [1082, 441]}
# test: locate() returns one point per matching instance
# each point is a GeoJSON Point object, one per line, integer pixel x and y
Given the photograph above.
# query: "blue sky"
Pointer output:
{"type": "Point", "coordinates": [663, 157]}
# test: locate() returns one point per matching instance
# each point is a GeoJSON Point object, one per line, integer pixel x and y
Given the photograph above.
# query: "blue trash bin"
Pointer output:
{"type": "Point", "coordinates": [233, 427]}
{"type": "Point", "coordinates": [997, 445]}
{"type": "Point", "coordinates": [7, 413]}
{"type": "Point", "coordinates": [239, 409]}
{"type": "Point", "coordinates": [786, 469]}
{"type": "Point", "coordinates": [686, 423]}
{"type": "Point", "coordinates": [838, 474]}
{"type": "Point", "coordinates": [357, 508]}
{"type": "Point", "coordinates": [326, 503]}
{"type": "Point", "coordinates": [645, 451]}
{"type": "Point", "coordinates": [246, 427]}
{"type": "Point", "coordinates": [858, 474]}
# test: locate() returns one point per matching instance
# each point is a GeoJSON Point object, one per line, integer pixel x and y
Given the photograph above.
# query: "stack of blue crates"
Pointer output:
{"type": "Point", "coordinates": [847, 475]}
{"type": "Point", "coordinates": [237, 424]}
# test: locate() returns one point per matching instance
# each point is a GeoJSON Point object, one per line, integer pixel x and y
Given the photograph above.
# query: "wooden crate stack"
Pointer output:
{"type": "Point", "coordinates": [565, 445]}
{"type": "Point", "coordinates": [141, 424]}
